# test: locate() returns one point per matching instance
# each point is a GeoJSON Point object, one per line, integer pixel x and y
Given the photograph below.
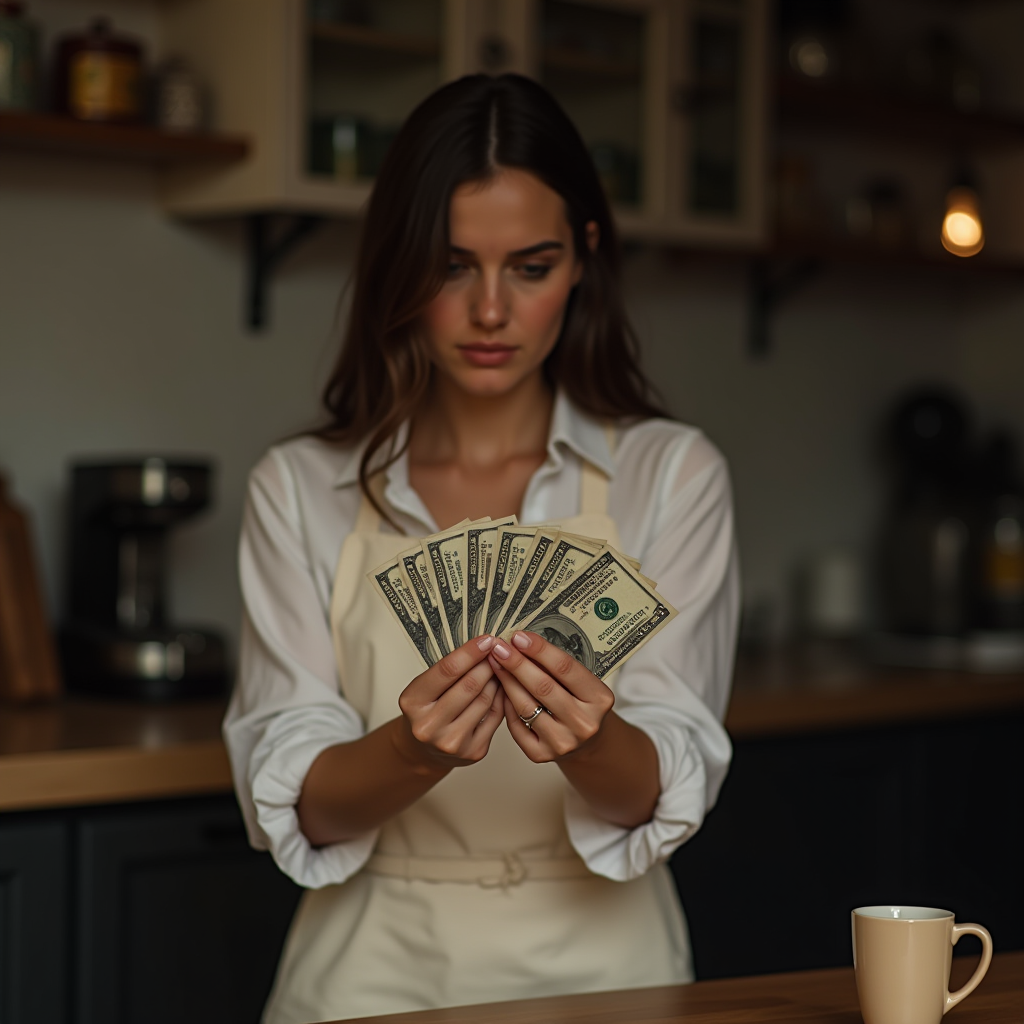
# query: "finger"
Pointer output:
{"type": "Point", "coordinates": [463, 694]}
{"type": "Point", "coordinates": [528, 741]}
{"type": "Point", "coordinates": [560, 665]}
{"type": "Point", "coordinates": [477, 710]}
{"type": "Point", "coordinates": [524, 702]}
{"type": "Point", "coordinates": [452, 667]}
{"type": "Point", "coordinates": [541, 687]}
{"type": "Point", "coordinates": [525, 706]}
{"type": "Point", "coordinates": [485, 730]}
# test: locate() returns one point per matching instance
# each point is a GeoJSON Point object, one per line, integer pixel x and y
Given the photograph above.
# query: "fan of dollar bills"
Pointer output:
{"type": "Point", "coordinates": [495, 576]}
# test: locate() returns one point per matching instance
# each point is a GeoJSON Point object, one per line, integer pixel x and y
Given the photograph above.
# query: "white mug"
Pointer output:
{"type": "Point", "coordinates": [901, 958]}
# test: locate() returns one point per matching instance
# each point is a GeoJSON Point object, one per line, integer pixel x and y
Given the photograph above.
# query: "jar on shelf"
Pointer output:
{"type": "Point", "coordinates": [100, 75]}
{"type": "Point", "coordinates": [180, 100]}
{"type": "Point", "coordinates": [19, 58]}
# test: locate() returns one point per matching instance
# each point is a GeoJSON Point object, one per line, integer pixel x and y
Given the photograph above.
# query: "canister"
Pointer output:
{"type": "Point", "coordinates": [100, 75]}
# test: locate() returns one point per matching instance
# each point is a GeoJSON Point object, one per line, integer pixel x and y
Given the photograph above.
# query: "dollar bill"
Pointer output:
{"type": "Point", "coordinates": [446, 561]}
{"type": "Point", "coordinates": [389, 581]}
{"type": "Point", "coordinates": [479, 555]}
{"type": "Point", "coordinates": [604, 615]}
{"type": "Point", "coordinates": [413, 563]}
{"type": "Point", "coordinates": [535, 561]}
{"type": "Point", "coordinates": [566, 558]}
{"type": "Point", "coordinates": [511, 547]}
{"type": "Point", "coordinates": [635, 562]}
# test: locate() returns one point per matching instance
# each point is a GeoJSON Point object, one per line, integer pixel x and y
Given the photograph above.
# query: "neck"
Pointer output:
{"type": "Point", "coordinates": [475, 430]}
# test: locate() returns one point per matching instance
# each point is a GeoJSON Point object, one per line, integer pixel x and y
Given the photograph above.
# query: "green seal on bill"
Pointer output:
{"type": "Point", "coordinates": [606, 608]}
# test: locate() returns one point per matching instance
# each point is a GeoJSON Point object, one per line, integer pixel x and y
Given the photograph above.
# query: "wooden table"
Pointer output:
{"type": "Point", "coordinates": [823, 997]}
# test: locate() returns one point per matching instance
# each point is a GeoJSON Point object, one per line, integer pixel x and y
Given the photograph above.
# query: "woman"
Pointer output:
{"type": "Point", "coordinates": [454, 853]}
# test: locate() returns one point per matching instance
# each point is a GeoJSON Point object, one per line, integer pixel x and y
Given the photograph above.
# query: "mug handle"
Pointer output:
{"type": "Point", "coordinates": [986, 958]}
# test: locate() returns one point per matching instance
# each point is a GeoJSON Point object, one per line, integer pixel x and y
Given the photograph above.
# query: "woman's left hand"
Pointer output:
{"type": "Point", "coordinates": [534, 673]}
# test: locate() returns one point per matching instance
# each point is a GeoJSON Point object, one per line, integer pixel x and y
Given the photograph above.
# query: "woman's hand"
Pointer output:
{"type": "Point", "coordinates": [451, 711]}
{"type": "Point", "coordinates": [449, 714]}
{"type": "Point", "coordinates": [613, 765]}
{"type": "Point", "coordinates": [534, 673]}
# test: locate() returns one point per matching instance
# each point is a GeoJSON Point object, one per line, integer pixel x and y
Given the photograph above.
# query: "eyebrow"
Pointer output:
{"type": "Point", "coordinates": [530, 250]}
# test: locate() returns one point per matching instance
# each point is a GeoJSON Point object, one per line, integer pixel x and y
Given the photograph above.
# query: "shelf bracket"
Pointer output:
{"type": "Point", "coordinates": [769, 286]}
{"type": "Point", "coordinates": [265, 253]}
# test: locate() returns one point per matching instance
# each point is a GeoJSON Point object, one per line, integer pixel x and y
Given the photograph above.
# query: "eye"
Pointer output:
{"type": "Point", "coordinates": [534, 271]}
{"type": "Point", "coordinates": [455, 268]}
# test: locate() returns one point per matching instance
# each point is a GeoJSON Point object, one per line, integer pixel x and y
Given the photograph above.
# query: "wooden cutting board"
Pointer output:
{"type": "Point", "coordinates": [28, 659]}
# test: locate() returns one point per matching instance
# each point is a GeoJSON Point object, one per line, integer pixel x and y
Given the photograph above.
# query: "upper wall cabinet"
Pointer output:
{"type": "Point", "coordinates": [667, 94]}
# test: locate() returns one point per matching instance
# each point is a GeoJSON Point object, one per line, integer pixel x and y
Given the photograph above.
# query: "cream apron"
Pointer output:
{"type": "Point", "coordinates": [474, 893]}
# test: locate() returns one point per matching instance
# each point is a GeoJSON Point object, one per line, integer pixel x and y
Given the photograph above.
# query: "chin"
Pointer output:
{"type": "Point", "coordinates": [488, 383]}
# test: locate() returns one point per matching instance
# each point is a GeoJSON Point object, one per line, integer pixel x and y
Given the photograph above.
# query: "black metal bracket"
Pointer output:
{"type": "Point", "coordinates": [769, 286]}
{"type": "Point", "coordinates": [266, 253]}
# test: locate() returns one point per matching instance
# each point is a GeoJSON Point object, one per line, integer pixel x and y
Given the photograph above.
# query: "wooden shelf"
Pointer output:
{"type": "Point", "coordinates": [894, 118]}
{"type": "Point", "coordinates": [375, 39]}
{"type": "Point", "coordinates": [50, 133]}
{"type": "Point", "coordinates": [579, 62]}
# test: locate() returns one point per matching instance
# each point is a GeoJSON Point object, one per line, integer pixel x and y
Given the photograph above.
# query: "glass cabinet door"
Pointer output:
{"type": "Point", "coordinates": [594, 57]}
{"type": "Point", "coordinates": [369, 63]}
{"type": "Point", "coordinates": [717, 178]}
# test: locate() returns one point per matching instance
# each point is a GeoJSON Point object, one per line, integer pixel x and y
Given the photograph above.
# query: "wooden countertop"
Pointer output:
{"type": "Point", "coordinates": [822, 997]}
{"type": "Point", "coordinates": [88, 751]}
{"type": "Point", "coordinates": [82, 751]}
{"type": "Point", "coordinates": [823, 690]}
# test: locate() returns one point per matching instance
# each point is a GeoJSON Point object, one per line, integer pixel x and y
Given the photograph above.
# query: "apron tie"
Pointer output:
{"type": "Point", "coordinates": [513, 874]}
{"type": "Point", "coordinates": [501, 871]}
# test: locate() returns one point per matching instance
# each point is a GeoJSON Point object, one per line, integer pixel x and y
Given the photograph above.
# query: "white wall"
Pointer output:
{"type": "Point", "coordinates": [121, 332]}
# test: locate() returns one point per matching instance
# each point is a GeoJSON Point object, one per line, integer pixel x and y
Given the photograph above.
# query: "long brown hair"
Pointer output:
{"type": "Point", "coordinates": [467, 131]}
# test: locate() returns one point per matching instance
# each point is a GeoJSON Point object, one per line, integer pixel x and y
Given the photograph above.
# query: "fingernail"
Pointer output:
{"type": "Point", "coordinates": [485, 643]}
{"type": "Point", "coordinates": [502, 651]}
{"type": "Point", "coordinates": [521, 640]}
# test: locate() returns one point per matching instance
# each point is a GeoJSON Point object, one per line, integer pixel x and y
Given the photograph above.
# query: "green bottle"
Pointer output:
{"type": "Point", "coordinates": [19, 58]}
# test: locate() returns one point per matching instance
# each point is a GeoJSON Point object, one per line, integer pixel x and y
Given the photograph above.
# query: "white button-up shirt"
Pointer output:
{"type": "Point", "coordinates": [669, 495]}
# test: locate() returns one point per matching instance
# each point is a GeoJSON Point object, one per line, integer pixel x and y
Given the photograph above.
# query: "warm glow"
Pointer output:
{"type": "Point", "coordinates": [962, 231]}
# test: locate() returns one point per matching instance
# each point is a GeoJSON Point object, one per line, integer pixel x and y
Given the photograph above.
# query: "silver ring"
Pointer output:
{"type": "Point", "coordinates": [538, 711]}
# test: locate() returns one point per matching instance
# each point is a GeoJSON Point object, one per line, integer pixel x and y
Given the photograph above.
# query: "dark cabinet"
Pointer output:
{"type": "Point", "coordinates": [807, 828]}
{"type": "Point", "coordinates": [138, 914]}
{"type": "Point", "coordinates": [34, 869]}
{"type": "Point", "coordinates": [178, 919]}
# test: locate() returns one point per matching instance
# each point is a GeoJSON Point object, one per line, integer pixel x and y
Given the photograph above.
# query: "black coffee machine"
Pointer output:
{"type": "Point", "coordinates": [116, 638]}
{"type": "Point", "coordinates": [951, 552]}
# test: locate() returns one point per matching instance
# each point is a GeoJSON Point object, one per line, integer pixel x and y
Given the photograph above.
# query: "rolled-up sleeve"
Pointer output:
{"type": "Point", "coordinates": [286, 708]}
{"type": "Point", "coordinates": [676, 688]}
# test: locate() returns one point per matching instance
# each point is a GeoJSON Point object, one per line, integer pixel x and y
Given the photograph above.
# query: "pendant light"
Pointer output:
{"type": "Point", "coordinates": [963, 233]}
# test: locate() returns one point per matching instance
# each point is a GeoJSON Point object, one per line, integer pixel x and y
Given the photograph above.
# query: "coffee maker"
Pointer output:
{"type": "Point", "coordinates": [117, 638]}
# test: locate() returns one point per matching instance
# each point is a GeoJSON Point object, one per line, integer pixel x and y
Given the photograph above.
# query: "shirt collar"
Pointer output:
{"type": "Point", "coordinates": [570, 428]}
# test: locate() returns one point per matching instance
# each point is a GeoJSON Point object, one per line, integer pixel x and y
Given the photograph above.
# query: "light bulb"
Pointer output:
{"type": "Point", "coordinates": [962, 231]}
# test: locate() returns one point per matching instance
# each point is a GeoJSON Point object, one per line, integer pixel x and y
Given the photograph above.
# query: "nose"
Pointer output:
{"type": "Point", "coordinates": [489, 304]}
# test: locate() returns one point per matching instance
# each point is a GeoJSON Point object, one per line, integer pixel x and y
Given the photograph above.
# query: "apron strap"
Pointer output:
{"type": "Point", "coordinates": [594, 482]}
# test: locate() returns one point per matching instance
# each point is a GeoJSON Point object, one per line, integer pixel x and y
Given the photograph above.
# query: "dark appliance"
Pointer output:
{"type": "Point", "coordinates": [118, 638]}
{"type": "Point", "coordinates": [951, 565]}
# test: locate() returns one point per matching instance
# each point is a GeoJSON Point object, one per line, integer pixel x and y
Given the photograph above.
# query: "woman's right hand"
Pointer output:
{"type": "Point", "coordinates": [451, 711]}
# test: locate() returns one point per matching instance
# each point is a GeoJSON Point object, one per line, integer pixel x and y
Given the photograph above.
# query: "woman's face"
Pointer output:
{"type": "Point", "coordinates": [512, 267]}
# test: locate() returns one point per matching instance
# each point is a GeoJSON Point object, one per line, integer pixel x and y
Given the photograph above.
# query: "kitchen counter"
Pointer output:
{"type": "Point", "coordinates": [82, 751]}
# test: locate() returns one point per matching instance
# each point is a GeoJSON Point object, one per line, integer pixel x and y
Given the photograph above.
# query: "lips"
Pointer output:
{"type": "Point", "coordinates": [479, 354]}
